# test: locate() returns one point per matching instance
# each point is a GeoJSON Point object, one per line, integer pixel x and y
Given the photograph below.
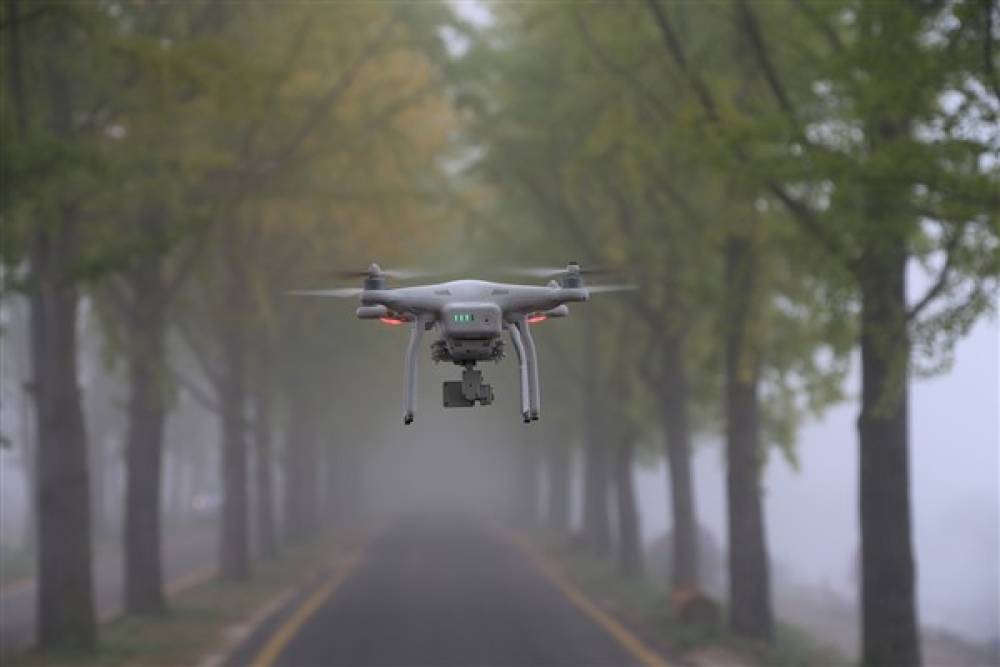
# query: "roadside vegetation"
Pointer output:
{"type": "Point", "coordinates": [199, 617]}
{"type": "Point", "coordinates": [644, 603]}
{"type": "Point", "coordinates": [799, 191]}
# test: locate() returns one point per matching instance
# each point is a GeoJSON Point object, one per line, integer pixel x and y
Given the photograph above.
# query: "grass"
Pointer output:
{"type": "Point", "coordinates": [195, 623]}
{"type": "Point", "coordinates": [646, 604]}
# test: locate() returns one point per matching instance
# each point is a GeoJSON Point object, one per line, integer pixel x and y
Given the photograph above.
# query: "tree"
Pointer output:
{"type": "Point", "coordinates": [878, 170]}
{"type": "Point", "coordinates": [51, 167]}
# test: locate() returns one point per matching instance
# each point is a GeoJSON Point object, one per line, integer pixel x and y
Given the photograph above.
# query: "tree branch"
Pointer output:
{"type": "Point", "coordinates": [988, 59]}
{"type": "Point", "coordinates": [941, 283]}
{"type": "Point", "coordinates": [674, 47]}
{"type": "Point", "coordinates": [326, 102]}
{"type": "Point", "coordinates": [199, 394]}
{"type": "Point", "coordinates": [763, 58]}
{"type": "Point", "coordinates": [621, 71]}
{"type": "Point", "coordinates": [279, 75]}
{"type": "Point", "coordinates": [800, 211]}
{"type": "Point", "coordinates": [831, 35]}
{"type": "Point", "coordinates": [207, 367]}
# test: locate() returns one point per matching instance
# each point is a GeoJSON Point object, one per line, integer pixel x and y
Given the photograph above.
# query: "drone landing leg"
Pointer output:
{"type": "Point", "coordinates": [410, 370]}
{"type": "Point", "coordinates": [529, 347]}
{"type": "Point", "coordinates": [515, 337]}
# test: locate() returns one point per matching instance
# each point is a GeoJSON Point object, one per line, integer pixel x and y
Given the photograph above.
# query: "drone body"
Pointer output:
{"type": "Point", "coordinates": [470, 317]}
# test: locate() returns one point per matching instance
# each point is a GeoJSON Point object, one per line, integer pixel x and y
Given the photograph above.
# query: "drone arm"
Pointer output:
{"type": "Point", "coordinates": [529, 348]}
{"type": "Point", "coordinates": [515, 338]}
{"type": "Point", "coordinates": [410, 379]}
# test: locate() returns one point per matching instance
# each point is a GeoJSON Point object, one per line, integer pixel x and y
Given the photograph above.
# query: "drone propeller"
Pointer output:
{"type": "Point", "coordinates": [571, 268]}
{"type": "Point", "coordinates": [342, 292]}
{"type": "Point", "coordinates": [600, 289]}
{"type": "Point", "coordinates": [375, 270]}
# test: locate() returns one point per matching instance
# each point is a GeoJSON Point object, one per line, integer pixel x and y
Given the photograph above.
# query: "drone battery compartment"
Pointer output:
{"type": "Point", "coordinates": [472, 320]}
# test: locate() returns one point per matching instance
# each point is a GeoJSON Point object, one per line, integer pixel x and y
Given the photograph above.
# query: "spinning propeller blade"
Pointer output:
{"type": "Point", "coordinates": [599, 289]}
{"type": "Point", "coordinates": [342, 292]}
{"type": "Point", "coordinates": [375, 270]}
{"type": "Point", "coordinates": [553, 272]}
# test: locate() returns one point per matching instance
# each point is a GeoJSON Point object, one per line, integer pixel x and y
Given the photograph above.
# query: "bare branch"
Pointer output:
{"type": "Point", "coordinates": [201, 395]}
{"type": "Point", "coordinates": [119, 299]}
{"type": "Point", "coordinates": [189, 338]}
{"type": "Point", "coordinates": [943, 277]}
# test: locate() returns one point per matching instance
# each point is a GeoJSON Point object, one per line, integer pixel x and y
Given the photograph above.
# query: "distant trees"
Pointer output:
{"type": "Point", "coordinates": [771, 173]}
{"type": "Point", "coordinates": [182, 165]}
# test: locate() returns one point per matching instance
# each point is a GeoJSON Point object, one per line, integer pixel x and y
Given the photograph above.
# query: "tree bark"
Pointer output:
{"type": "Point", "coordinates": [234, 539]}
{"type": "Point", "coordinates": [144, 448]}
{"type": "Point", "coordinates": [301, 492]}
{"type": "Point", "coordinates": [558, 455]}
{"type": "Point", "coordinates": [674, 413]}
{"type": "Point", "coordinates": [629, 538]}
{"type": "Point", "coordinates": [65, 589]}
{"type": "Point", "coordinates": [750, 612]}
{"type": "Point", "coordinates": [263, 439]}
{"type": "Point", "coordinates": [889, 628]}
{"type": "Point", "coordinates": [596, 520]}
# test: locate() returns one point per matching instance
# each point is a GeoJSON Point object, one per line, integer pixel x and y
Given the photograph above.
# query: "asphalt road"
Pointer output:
{"type": "Point", "coordinates": [185, 556]}
{"type": "Point", "coordinates": [440, 592]}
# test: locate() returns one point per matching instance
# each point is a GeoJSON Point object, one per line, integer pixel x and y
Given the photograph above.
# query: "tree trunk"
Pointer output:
{"type": "Point", "coordinates": [557, 468]}
{"type": "Point", "coordinates": [144, 448]}
{"type": "Point", "coordinates": [596, 521]}
{"type": "Point", "coordinates": [234, 539]}
{"type": "Point", "coordinates": [65, 589]}
{"type": "Point", "coordinates": [674, 413]}
{"type": "Point", "coordinates": [890, 629]}
{"type": "Point", "coordinates": [263, 439]}
{"type": "Point", "coordinates": [301, 472]}
{"type": "Point", "coordinates": [750, 612]}
{"type": "Point", "coordinates": [629, 539]}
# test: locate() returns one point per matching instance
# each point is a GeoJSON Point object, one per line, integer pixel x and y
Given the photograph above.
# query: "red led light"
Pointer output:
{"type": "Point", "coordinates": [391, 320]}
{"type": "Point", "coordinates": [535, 319]}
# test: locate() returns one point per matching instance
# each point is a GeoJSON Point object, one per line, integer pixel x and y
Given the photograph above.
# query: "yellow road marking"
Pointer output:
{"type": "Point", "coordinates": [276, 644]}
{"type": "Point", "coordinates": [635, 646]}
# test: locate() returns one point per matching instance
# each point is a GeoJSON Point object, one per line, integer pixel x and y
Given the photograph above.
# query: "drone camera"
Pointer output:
{"type": "Point", "coordinates": [467, 392]}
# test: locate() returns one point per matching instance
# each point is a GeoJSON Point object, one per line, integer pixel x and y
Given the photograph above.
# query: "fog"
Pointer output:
{"type": "Point", "coordinates": [813, 513]}
{"type": "Point", "coordinates": [762, 279]}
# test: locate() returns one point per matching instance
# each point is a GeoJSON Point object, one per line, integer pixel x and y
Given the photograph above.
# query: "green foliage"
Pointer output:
{"type": "Point", "coordinates": [593, 147]}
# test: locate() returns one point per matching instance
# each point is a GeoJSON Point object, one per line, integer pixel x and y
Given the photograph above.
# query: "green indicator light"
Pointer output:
{"type": "Point", "coordinates": [462, 317]}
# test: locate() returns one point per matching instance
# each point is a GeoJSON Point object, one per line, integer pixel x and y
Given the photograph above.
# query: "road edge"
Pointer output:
{"type": "Point", "coordinates": [629, 640]}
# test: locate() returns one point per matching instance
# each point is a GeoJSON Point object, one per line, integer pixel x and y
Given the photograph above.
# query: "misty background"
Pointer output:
{"type": "Point", "coordinates": [783, 184]}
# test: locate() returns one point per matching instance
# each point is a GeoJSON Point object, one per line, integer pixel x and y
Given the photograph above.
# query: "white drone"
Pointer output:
{"type": "Point", "coordinates": [470, 316]}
